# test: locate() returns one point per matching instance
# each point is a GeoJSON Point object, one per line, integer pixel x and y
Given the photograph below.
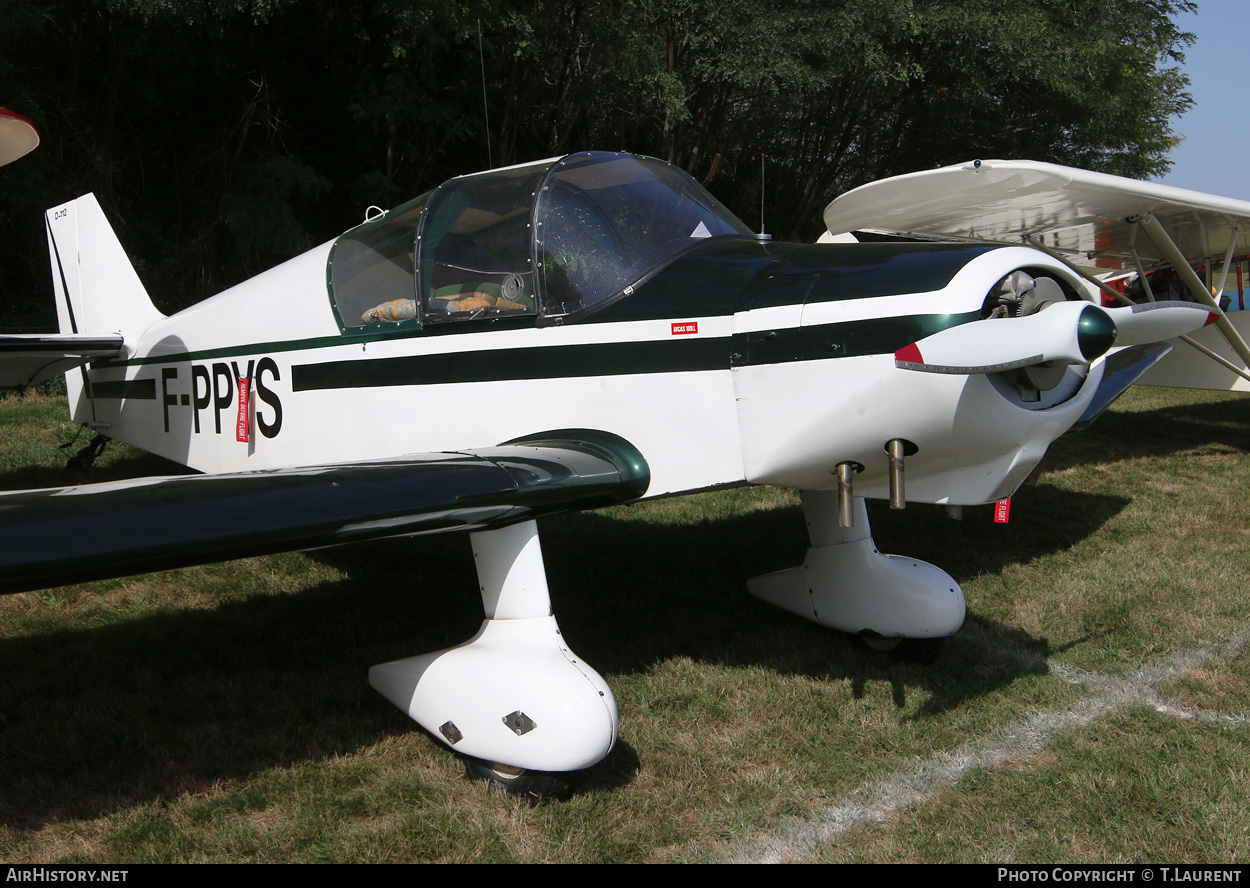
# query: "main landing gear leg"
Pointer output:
{"type": "Point", "coordinates": [893, 603]}
{"type": "Point", "coordinates": [513, 699]}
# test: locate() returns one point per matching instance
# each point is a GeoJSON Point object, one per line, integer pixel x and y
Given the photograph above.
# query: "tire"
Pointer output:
{"type": "Point", "coordinates": [535, 787]}
{"type": "Point", "coordinates": [923, 651]}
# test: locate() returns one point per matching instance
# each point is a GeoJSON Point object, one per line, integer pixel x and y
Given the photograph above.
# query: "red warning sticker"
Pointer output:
{"type": "Point", "coordinates": [1002, 511]}
{"type": "Point", "coordinates": [243, 426]}
{"type": "Point", "coordinates": [685, 327]}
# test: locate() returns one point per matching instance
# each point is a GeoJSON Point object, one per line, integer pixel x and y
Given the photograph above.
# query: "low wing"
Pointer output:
{"type": "Point", "coordinates": [30, 358]}
{"type": "Point", "coordinates": [157, 523]}
{"type": "Point", "coordinates": [1100, 222]}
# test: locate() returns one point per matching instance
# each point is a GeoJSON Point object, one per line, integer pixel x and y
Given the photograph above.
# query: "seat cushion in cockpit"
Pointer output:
{"type": "Point", "coordinates": [470, 297]}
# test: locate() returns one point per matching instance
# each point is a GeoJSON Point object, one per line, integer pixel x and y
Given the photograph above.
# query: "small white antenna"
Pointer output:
{"type": "Point", "coordinates": [485, 110]}
{"type": "Point", "coordinates": [761, 192]}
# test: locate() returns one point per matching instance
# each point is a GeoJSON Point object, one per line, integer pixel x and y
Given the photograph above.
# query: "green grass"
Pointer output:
{"type": "Point", "coordinates": [222, 713]}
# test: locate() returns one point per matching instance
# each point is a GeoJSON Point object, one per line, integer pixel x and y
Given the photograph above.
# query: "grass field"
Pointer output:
{"type": "Point", "coordinates": [1095, 707]}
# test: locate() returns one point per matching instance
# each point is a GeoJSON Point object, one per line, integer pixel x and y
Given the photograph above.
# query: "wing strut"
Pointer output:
{"type": "Point", "coordinates": [1080, 272]}
{"type": "Point", "coordinates": [1219, 359]}
{"type": "Point", "coordinates": [1228, 258]}
{"type": "Point", "coordinates": [1159, 237]}
{"type": "Point", "coordinates": [1222, 323]}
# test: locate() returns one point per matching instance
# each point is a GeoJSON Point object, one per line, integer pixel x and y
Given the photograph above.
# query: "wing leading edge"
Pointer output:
{"type": "Point", "coordinates": [157, 523]}
{"type": "Point", "coordinates": [1071, 211]}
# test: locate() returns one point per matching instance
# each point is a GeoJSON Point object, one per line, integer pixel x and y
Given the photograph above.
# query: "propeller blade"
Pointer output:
{"type": "Point", "coordinates": [1064, 332]}
{"type": "Point", "coordinates": [1159, 321]}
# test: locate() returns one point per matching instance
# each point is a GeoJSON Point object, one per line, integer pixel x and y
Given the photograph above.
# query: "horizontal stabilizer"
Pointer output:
{"type": "Point", "coordinates": [30, 358]}
{"type": "Point", "coordinates": [149, 524]}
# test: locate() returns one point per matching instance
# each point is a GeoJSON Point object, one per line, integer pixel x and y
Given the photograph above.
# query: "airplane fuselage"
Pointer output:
{"type": "Point", "coordinates": [739, 362]}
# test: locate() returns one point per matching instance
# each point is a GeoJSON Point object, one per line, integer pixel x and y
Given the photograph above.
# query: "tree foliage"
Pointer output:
{"type": "Point", "coordinates": [222, 136]}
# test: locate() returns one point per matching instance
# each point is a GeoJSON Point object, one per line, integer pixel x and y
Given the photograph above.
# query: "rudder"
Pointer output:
{"type": "Point", "coordinates": [96, 287]}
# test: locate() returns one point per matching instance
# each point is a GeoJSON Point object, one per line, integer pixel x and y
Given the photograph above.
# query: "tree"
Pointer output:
{"type": "Point", "coordinates": [225, 135]}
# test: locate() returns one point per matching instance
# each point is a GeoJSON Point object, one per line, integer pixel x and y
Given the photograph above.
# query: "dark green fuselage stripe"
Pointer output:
{"type": "Point", "coordinates": [134, 389]}
{"type": "Point", "coordinates": [355, 336]}
{"type": "Point", "coordinates": [850, 339]}
{"type": "Point", "coordinates": [254, 348]}
{"type": "Point", "coordinates": [13, 345]}
{"type": "Point", "coordinates": [547, 362]}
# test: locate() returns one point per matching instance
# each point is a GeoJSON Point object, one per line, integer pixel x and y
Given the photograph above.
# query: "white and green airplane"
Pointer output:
{"type": "Point", "coordinates": [575, 332]}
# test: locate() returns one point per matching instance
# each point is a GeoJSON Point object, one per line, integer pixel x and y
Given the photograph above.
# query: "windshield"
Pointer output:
{"type": "Point", "coordinates": [555, 237]}
{"type": "Point", "coordinates": [604, 221]}
{"type": "Point", "coordinates": [372, 264]}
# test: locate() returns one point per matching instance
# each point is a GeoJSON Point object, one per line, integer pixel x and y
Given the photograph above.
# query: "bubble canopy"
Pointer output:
{"type": "Point", "coordinates": [557, 238]}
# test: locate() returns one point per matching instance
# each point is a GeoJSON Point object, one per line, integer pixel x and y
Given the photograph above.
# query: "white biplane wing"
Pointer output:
{"type": "Point", "coordinates": [1098, 222]}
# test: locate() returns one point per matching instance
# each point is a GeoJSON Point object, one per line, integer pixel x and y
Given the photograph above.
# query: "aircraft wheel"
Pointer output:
{"type": "Point", "coordinates": [536, 787]}
{"type": "Point", "coordinates": [907, 650]}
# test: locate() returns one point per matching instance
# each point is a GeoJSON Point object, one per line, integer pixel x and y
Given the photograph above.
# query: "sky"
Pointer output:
{"type": "Point", "coordinates": [1217, 128]}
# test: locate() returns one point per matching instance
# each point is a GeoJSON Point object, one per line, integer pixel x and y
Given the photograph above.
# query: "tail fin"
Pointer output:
{"type": "Point", "coordinates": [97, 289]}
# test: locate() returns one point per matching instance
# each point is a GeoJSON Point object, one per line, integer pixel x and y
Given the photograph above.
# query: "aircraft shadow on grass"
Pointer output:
{"type": "Point", "coordinates": [1155, 433]}
{"type": "Point", "coordinates": [94, 720]}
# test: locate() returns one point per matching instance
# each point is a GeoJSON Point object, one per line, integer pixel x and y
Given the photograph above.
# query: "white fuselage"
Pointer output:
{"type": "Point", "coordinates": [788, 422]}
